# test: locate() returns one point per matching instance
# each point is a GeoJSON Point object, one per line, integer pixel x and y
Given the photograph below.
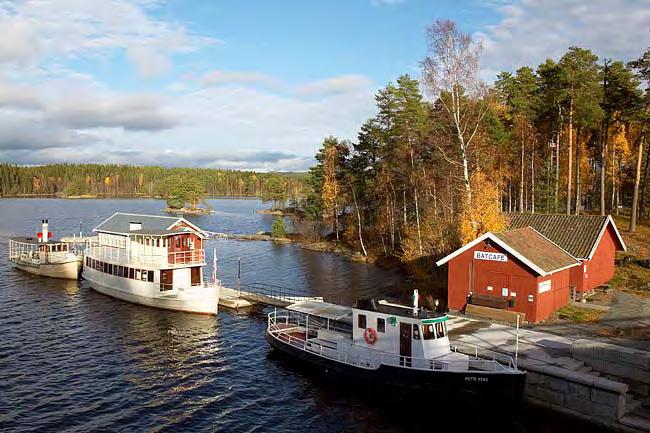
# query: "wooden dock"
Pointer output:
{"type": "Point", "coordinates": [261, 294]}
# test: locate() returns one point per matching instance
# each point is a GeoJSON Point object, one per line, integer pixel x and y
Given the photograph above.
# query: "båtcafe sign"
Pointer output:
{"type": "Point", "coordinates": [495, 257]}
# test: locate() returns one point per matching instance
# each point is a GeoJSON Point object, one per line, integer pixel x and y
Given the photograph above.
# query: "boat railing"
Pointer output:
{"type": "Point", "coordinates": [278, 293]}
{"type": "Point", "coordinates": [167, 287]}
{"type": "Point", "coordinates": [23, 251]}
{"type": "Point", "coordinates": [482, 353]}
{"type": "Point", "coordinates": [159, 259]}
{"type": "Point", "coordinates": [285, 327]}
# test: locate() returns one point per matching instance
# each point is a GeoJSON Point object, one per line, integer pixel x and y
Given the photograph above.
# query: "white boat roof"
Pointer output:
{"type": "Point", "coordinates": [321, 309]}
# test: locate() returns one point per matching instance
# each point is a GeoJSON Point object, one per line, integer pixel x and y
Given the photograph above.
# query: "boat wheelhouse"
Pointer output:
{"type": "Point", "coordinates": [151, 260]}
{"type": "Point", "coordinates": [392, 345]}
{"type": "Point", "coordinates": [44, 256]}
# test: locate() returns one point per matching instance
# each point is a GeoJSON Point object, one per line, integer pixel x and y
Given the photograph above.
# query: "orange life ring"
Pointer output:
{"type": "Point", "coordinates": [370, 335]}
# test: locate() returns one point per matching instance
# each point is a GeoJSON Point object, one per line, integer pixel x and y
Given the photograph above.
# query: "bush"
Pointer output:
{"type": "Point", "coordinates": [277, 229]}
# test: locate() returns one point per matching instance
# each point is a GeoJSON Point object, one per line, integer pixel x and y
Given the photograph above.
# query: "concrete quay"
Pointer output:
{"type": "Point", "coordinates": [597, 381]}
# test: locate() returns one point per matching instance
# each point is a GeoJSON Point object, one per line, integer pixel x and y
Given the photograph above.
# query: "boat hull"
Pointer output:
{"type": "Point", "coordinates": [476, 388]}
{"type": "Point", "coordinates": [199, 305]}
{"type": "Point", "coordinates": [67, 270]}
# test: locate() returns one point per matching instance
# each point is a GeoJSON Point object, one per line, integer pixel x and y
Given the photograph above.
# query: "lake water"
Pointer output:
{"type": "Point", "coordinates": [75, 360]}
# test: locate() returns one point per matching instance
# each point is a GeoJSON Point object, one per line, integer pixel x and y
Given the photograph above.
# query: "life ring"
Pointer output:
{"type": "Point", "coordinates": [370, 335]}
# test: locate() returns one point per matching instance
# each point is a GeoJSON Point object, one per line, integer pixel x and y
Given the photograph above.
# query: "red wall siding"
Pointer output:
{"type": "Point", "coordinates": [557, 297]}
{"type": "Point", "coordinates": [600, 269]}
{"type": "Point", "coordinates": [512, 275]}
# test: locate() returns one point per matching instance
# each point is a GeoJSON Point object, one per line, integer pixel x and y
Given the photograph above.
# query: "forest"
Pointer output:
{"type": "Point", "coordinates": [70, 180]}
{"type": "Point", "coordinates": [447, 155]}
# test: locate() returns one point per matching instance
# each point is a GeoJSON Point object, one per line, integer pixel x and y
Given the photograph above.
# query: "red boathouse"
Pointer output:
{"type": "Point", "coordinates": [536, 266]}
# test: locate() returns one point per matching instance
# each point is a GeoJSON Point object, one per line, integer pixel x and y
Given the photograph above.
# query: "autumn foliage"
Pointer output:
{"type": "Point", "coordinates": [481, 214]}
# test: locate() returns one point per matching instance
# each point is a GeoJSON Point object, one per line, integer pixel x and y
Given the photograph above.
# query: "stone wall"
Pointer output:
{"type": "Point", "coordinates": [574, 393]}
{"type": "Point", "coordinates": [623, 362]}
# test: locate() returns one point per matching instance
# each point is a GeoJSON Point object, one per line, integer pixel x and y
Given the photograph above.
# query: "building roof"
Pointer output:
{"type": "Point", "coordinates": [538, 249]}
{"type": "Point", "coordinates": [579, 235]}
{"type": "Point", "coordinates": [527, 245]}
{"type": "Point", "coordinates": [120, 223]}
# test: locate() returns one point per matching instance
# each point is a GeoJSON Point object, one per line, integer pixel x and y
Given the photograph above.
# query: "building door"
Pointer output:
{"type": "Point", "coordinates": [166, 279]}
{"type": "Point", "coordinates": [405, 344]}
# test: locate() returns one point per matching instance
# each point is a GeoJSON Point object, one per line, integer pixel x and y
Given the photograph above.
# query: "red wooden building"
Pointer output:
{"type": "Point", "coordinates": [536, 264]}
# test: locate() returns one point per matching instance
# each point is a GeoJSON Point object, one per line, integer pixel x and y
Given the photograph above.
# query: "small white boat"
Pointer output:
{"type": "Point", "coordinates": [155, 261]}
{"type": "Point", "coordinates": [43, 256]}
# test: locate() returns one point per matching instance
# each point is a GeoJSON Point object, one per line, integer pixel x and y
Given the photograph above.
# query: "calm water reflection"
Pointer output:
{"type": "Point", "coordinates": [74, 360]}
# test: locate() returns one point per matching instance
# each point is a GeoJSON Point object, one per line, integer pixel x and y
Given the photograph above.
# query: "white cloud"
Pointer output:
{"type": "Point", "coordinates": [50, 112]}
{"type": "Point", "coordinates": [218, 77]}
{"type": "Point", "coordinates": [532, 30]}
{"type": "Point", "coordinates": [34, 30]}
{"type": "Point", "coordinates": [335, 85]}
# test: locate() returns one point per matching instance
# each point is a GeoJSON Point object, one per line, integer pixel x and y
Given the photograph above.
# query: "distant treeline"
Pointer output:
{"type": "Point", "coordinates": [128, 180]}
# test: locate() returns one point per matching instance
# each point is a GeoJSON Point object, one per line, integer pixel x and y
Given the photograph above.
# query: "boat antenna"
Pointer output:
{"type": "Point", "coordinates": [416, 299]}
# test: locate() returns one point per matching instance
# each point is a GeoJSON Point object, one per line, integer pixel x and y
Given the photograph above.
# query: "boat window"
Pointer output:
{"type": "Point", "coordinates": [131, 273]}
{"type": "Point", "coordinates": [429, 331]}
{"type": "Point", "coordinates": [381, 325]}
{"type": "Point", "coordinates": [361, 321]}
{"type": "Point", "coordinates": [440, 330]}
{"type": "Point", "coordinates": [178, 242]}
{"type": "Point", "coordinates": [144, 275]}
{"type": "Point", "coordinates": [416, 331]}
{"type": "Point", "coordinates": [150, 276]}
{"type": "Point", "coordinates": [137, 274]}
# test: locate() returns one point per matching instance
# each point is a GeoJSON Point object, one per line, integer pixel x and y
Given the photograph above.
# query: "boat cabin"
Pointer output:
{"type": "Point", "coordinates": [399, 331]}
{"type": "Point", "coordinates": [38, 249]}
{"type": "Point", "coordinates": [164, 250]}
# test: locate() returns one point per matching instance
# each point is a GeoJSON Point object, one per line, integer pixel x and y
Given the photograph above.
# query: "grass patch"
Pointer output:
{"type": "Point", "coordinates": [631, 278]}
{"type": "Point", "coordinates": [579, 315]}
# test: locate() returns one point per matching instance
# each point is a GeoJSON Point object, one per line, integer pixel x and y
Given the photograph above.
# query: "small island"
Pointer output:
{"type": "Point", "coordinates": [184, 195]}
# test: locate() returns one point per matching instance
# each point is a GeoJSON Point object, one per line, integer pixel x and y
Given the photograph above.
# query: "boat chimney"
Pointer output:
{"type": "Point", "coordinates": [416, 300]}
{"type": "Point", "coordinates": [44, 231]}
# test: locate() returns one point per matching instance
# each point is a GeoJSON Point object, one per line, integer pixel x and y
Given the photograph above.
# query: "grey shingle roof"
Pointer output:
{"type": "Point", "coordinates": [577, 234]}
{"type": "Point", "coordinates": [537, 249]}
{"type": "Point", "coordinates": [151, 224]}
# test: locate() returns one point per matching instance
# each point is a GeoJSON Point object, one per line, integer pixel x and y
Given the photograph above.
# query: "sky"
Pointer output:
{"type": "Point", "coordinates": [253, 85]}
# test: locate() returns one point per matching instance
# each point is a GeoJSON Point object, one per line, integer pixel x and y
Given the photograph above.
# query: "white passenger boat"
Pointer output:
{"type": "Point", "coordinates": [151, 260]}
{"type": "Point", "coordinates": [395, 346]}
{"type": "Point", "coordinates": [41, 255]}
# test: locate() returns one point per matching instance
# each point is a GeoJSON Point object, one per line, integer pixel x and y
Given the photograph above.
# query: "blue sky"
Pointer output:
{"type": "Point", "coordinates": [249, 84]}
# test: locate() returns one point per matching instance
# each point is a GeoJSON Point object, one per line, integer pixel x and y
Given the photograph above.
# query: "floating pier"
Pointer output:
{"type": "Point", "coordinates": [262, 294]}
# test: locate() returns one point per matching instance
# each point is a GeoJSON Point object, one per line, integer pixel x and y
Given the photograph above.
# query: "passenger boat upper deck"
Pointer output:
{"type": "Point", "coordinates": [151, 260]}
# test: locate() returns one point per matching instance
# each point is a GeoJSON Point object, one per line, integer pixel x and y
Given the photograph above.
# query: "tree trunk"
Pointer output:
{"type": "Point", "coordinates": [613, 178]}
{"type": "Point", "coordinates": [363, 247]}
{"type": "Point", "coordinates": [578, 181]}
{"type": "Point", "coordinates": [603, 145]}
{"type": "Point", "coordinates": [509, 197]}
{"type": "Point", "coordinates": [557, 169]}
{"type": "Point", "coordinates": [532, 181]}
{"type": "Point", "coordinates": [642, 193]}
{"type": "Point", "coordinates": [570, 166]}
{"type": "Point", "coordinates": [521, 178]}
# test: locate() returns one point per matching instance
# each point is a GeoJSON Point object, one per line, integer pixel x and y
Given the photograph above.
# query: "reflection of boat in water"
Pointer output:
{"type": "Point", "coordinates": [151, 260]}
{"type": "Point", "coordinates": [43, 256]}
{"type": "Point", "coordinates": [392, 345]}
